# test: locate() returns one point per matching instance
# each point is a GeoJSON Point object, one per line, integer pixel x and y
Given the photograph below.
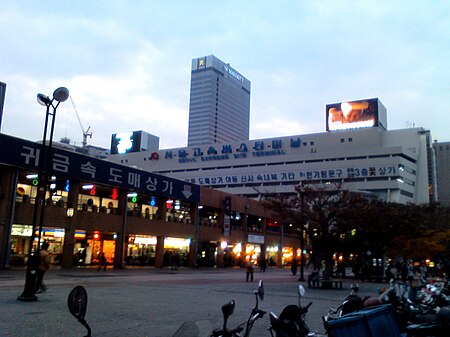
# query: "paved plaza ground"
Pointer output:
{"type": "Point", "coordinates": [153, 302]}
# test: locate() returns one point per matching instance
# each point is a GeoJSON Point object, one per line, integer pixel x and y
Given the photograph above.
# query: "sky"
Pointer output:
{"type": "Point", "coordinates": [127, 63]}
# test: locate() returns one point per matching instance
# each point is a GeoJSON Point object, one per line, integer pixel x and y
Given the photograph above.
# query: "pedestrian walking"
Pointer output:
{"type": "Point", "coordinates": [294, 266]}
{"type": "Point", "coordinates": [44, 265]}
{"type": "Point", "coordinates": [262, 264]}
{"type": "Point", "coordinates": [249, 270]}
{"type": "Point", "coordinates": [103, 262]}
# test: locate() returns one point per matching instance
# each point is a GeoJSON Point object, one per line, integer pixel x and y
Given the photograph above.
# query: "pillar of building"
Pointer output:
{"type": "Point", "coordinates": [219, 255]}
{"type": "Point", "coordinates": [159, 253]}
{"type": "Point", "coordinates": [193, 247]}
{"type": "Point", "coordinates": [120, 251]}
{"type": "Point", "coordinates": [8, 186]}
{"type": "Point", "coordinates": [162, 209]}
{"type": "Point", "coordinates": [69, 231]}
{"type": "Point", "coordinates": [280, 251]}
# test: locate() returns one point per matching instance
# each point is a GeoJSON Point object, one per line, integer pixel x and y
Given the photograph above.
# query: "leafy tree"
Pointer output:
{"type": "Point", "coordinates": [338, 220]}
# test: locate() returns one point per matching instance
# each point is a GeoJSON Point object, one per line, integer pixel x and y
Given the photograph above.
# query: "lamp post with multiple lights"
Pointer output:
{"type": "Point", "coordinates": [45, 158]}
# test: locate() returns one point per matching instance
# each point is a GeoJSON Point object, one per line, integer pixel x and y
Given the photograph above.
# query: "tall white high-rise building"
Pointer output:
{"type": "Point", "coordinates": [219, 108]}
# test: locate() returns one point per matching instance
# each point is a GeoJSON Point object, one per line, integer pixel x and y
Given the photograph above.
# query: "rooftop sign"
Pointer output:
{"type": "Point", "coordinates": [25, 154]}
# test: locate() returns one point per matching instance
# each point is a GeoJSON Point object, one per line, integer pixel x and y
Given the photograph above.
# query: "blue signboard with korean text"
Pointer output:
{"type": "Point", "coordinates": [26, 154]}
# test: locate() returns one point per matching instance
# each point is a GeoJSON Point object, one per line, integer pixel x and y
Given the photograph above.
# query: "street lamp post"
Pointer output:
{"type": "Point", "coordinates": [59, 95]}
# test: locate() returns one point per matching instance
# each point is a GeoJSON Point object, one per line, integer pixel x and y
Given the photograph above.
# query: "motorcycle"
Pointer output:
{"type": "Point", "coordinates": [352, 302]}
{"type": "Point", "coordinates": [77, 304]}
{"type": "Point", "coordinates": [291, 322]}
{"type": "Point", "coordinates": [255, 314]}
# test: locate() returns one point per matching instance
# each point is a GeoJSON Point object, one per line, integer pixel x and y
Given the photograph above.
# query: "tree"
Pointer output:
{"type": "Point", "coordinates": [338, 220]}
{"type": "Point", "coordinates": [317, 210]}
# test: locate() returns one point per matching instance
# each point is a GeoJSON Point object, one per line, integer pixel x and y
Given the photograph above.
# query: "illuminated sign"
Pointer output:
{"type": "Point", "coordinates": [298, 175]}
{"type": "Point", "coordinates": [201, 62]}
{"type": "Point", "coordinates": [258, 148]}
{"type": "Point", "coordinates": [126, 142]}
{"type": "Point", "coordinates": [80, 234]}
{"type": "Point", "coordinates": [115, 194]}
{"type": "Point", "coordinates": [92, 191]}
{"type": "Point", "coordinates": [25, 154]}
{"type": "Point", "coordinates": [233, 73]}
{"type": "Point", "coordinates": [351, 115]}
{"type": "Point", "coordinates": [21, 230]}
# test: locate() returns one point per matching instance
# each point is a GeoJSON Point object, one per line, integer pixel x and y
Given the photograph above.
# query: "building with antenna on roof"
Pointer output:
{"type": "Point", "coordinates": [356, 151]}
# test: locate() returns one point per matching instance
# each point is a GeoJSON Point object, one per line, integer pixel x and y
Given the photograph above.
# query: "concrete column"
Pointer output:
{"type": "Point", "coordinates": [159, 254]}
{"type": "Point", "coordinates": [8, 186]}
{"type": "Point", "coordinates": [121, 243]}
{"type": "Point", "coordinates": [193, 248]}
{"type": "Point", "coordinates": [162, 209]}
{"type": "Point", "coordinates": [280, 251]}
{"type": "Point", "coordinates": [69, 232]}
{"type": "Point", "coordinates": [219, 256]}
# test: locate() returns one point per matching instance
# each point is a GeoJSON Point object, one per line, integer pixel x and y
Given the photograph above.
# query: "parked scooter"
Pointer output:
{"type": "Point", "coordinates": [291, 322]}
{"type": "Point", "coordinates": [255, 314]}
{"type": "Point", "coordinates": [352, 302]}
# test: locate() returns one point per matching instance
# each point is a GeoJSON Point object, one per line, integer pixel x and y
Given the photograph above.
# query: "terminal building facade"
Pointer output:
{"type": "Point", "coordinates": [356, 151]}
{"type": "Point", "coordinates": [134, 217]}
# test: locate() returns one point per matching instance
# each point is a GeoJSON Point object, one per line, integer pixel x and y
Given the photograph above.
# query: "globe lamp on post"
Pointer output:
{"type": "Point", "coordinates": [45, 158]}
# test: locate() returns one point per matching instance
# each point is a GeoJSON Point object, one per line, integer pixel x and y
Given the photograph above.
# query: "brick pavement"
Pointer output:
{"type": "Point", "coordinates": [153, 302]}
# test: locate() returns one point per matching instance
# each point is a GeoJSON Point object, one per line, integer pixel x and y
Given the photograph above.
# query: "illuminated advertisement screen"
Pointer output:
{"type": "Point", "coordinates": [351, 115]}
{"type": "Point", "coordinates": [126, 142]}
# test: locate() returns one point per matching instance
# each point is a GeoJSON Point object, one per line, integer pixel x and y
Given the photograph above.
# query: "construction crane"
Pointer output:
{"type": "Point", "coordinates": [86, 133]}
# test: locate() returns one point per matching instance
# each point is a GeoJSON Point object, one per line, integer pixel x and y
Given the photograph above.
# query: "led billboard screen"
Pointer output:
{"type": "Point", "coordinates": [126, 142]}
{"type": "Point", "coordinates": [351, 115]}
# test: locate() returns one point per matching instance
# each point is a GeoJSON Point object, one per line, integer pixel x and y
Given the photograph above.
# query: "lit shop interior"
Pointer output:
{"type": "Point", "coordinates": [140, 247]}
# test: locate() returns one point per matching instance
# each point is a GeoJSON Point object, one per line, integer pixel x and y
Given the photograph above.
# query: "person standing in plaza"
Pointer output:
{"type": "Point", "coordinates": [294, 266]}
{"type": "Point", "coordinates": [44, 265]}
{"type": "Point", "coordinates": [249, 270]}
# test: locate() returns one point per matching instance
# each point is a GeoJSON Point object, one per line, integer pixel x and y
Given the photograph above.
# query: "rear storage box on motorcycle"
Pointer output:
{"type": "Point", "coordinates": [371, 322]}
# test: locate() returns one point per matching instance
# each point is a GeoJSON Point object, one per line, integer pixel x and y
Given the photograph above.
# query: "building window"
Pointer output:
{"type": "Point", "coordinates": [350, 140]}
{"type": "Point", "coordinates": [342, 140]}
{"type": "Point", "coordinates": [406, 193]}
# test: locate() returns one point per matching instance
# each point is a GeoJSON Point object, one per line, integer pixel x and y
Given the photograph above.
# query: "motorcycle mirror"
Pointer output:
{"type": "Point", "coordinates": [301, 291]}
{"type": "Point", "coordinates": [261, 289]}
{"type": "Point", "coordinates": [227, 310]}
{"type": "Point", "coordinates": [77, 303]}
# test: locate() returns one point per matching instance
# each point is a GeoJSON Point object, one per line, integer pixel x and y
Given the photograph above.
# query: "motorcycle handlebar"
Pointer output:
{"type": "Point", "coordinates": [304, 310]}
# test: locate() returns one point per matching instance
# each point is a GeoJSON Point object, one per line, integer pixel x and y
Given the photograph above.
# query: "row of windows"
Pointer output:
{"type": "Point", "coordinates": [304, 182]}
{"type": "Point", "coordinates": [410, 170]}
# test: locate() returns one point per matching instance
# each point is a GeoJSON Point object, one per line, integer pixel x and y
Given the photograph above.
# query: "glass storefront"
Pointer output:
{"type": "Point", "coordinates": [20, 243]}
{"type": "Point", "coordinates": [141, 250]}
{"type": "Point", "coordinates": [272, 255]}
{"type": "Point", "coordinates": [176, 252]}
